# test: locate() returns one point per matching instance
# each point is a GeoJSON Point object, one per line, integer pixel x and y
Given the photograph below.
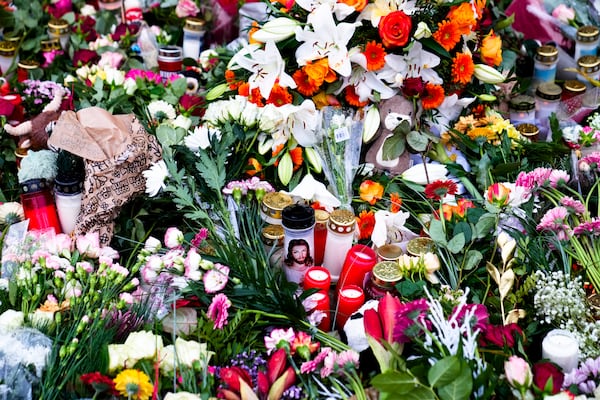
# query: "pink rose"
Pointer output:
{"type": "Point", "coordinates": [563, 13]}
{"type": "Point", "coordinates": [518, 373]}
{"type": "Point", "coordinates": [110, 59]}
{"type": "Point", "coordinates": [186, 8]}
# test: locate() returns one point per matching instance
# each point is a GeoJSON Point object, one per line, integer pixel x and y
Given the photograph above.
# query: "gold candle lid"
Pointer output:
{"type": "Point", "coordinates": [342, 221]}
{"type": "Point", "coordinates": [588, 33]}
{"type": "Point", "coordinates": [419, 246]}
{"type": "Point", "coordinates": [589, 63]}
{"type": "Point", "coordinates": [386, 273]}
{"type": "Point", "coordinates": [528, 130]}
{"type": "Point", "coordinates": [50, 44]}
{"type": "Point", "coordinates": [522, 102]}
{"type": "Point", "coordinates": [194, 24]}
{"type": "Point", "coordinates": [8, 49]}
{"type": "Point", "coordinates": [321, 216]}
{"type": "Point", "coordinates": [58, 26]}
{"type": "Point", "coordinates": [273, 234]}
{"type": "Point", "coordinates": [546, 54]}
{"type": "Point", "coordinates": [274, 202]}
{"type": "Point", "coordinates": [548, 91]}
{"type": "Point", "coordinates": [575, 86]}
{"type": "Point", "coordinates": [28, 64]}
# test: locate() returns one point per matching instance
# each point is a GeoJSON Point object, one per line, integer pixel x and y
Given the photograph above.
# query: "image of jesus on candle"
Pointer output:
{"type": "Point", "coordinates": [297, 260]}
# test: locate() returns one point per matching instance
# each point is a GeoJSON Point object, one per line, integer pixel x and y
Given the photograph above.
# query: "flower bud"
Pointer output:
{"type": "Point", "coordinates": [313, 159]}
{"type": "Point", "coordinates": [276, 30]}
{"type": "Point", "coordinates": [285, 169]}
{"type": "Point", "coordinates": [487, 74]}
{"type": "Point", "coordinates": [371, 124]}
{"type": "Point", "coordinates": [518, 373]}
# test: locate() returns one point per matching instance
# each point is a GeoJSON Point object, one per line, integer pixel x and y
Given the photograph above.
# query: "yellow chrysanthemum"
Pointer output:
{"type": "Point", "coordinates": [134, 384]}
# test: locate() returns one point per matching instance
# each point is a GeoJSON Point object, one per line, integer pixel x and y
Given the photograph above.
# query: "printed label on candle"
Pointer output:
{"type": "Point", "coordinates": [318, 275]}
{"type": "Point", "coordinates": [351, 293]}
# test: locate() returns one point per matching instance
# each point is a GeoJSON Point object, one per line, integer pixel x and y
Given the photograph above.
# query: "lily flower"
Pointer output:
{"type": "Point", "coordinates": [341, 10]}
{"type": "Point", "coordinates": [267, 67]}
{"type": "Point", "coordinates": [417, 63]}
{"type": "Point", "coordinates": [325, 40]}
{"type": "Point", "coordinates": [311, 189]}
{"type": "Point", "coordinates": [380, 8]}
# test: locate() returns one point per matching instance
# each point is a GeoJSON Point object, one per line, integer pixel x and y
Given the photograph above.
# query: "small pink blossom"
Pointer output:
{"type": "Point", "coordinates": [311, 366]}
{"type": "Point", "coordinates": [217, 311]}
{"type": "Point", "coordinates": [89, 244]}
{"type": "Point", "coordinates": [126, 297]}
{"type": "Point", "coordinates": [277, 336]}
{"type": "Point", "coordinates": [518, 373]}
{"type": "Point", "coordinates": [192, 265]}
{"type": "Point", "coordinates": [173, 238]}
{"type": "Point", "coordinates": [111, 59]}
{"type": "Point", "coordinates": [200, 237]}
{"type": "Point", "coordinates": [573, 205]}
{"type": "Point", "coordinates": [152, 245]}
{"type": "Point", "coordinates": [554, 220]}
{"type": "Point", "coordinates": [347, 358]}
{"type": "Point", "coordinates": [60, 244]}
{"type": "Point", "coordinates": [591, 227]}
{"type": "Point", "coordinates": [329, 364]}
{"type": "Point", "coordinates": [86, 266]}
{"type": "Point", "coordinates": [564, 13]}
{"type": "Point", "coordinates": [186, 8]}
{"type": "Point", "coordinates": [148, 274]}
{"type": "Point", "coordinates": [216, 278]}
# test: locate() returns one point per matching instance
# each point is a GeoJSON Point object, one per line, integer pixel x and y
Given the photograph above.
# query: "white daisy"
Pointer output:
{"type": "Point", "coordinates": [160, 110]}
{"type": "Point", "coordinates": [155, 178]}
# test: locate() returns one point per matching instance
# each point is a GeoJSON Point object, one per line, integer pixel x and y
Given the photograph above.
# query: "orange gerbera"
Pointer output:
{"type": "Point", "coordinates": [370, 191]}
{"type": "Point", "coordinates": [462, 68]}
{"type": "Point", "coordinates": [366, 223]}
{"type": "Point", "coordinates": [276, 150]}
{"type": "Point", "coordinates": [255, 97]}
{"type": "Point", "coordinates": [395, 202]}
{"type": "Point", "coordinates": [319, 71]}
{"type": "Point", "coordinates": [305, 85]}
{"type": "Point", "coordinates": [433, 97]}
{"type": "Point", "coordinates": [253, 28]}
{"type": "Point", "coordinates": [375, 55]}
{"type": "Point", "coordinates": [352, 98]}
{"type": "Point", "coordinates": [358, 5]}
{"type": "Point", "coordinates": [447, 35]}
{"type": "Point", "coordinates": [463, 16]}
{"type": "Point", "coordinates": [244, 89]}
{"type": "Point", "coordinates": [296, 154]}
{"type": "Point", "coordinates": [279, 96]}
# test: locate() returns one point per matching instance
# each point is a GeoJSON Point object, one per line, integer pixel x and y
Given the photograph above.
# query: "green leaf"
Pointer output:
{"type": "Point", "coordinates": [419, 393]}
{"type": "Point", "coordinates": [465, 228]}
{"type": "Point", "coordinates": [417, 141]}
{"type": "Point", "coordinates": [436, 231]}
{"type": "Point", "coordinates": [396, 382]}
{"type": "Point", "coordinates": [393, 146]}
{"type": "Point", "coordinates": [484, 226]}
{"type": "Point", "coordinates": [444, 371]}
{"type": "Point", "coordinates": [472, 259]}
{"type": "Point", "coordinates": [457, 243]}
{"type": "Point", "coordinates": [483, 167]}
{"type": "Point", "coordinates": [213, 174]}
{"type": "Point", "coordinates": [460, 387]}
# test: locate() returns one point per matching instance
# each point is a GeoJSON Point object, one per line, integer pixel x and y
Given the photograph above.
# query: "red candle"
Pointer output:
{"type": "Point", "coordinates": [317, 278]}
{"type": "Point", "coordinates": [359, 261]}
{"type": "Point", "coordinates": [39, 208]}
{"type": "Point", "coordinates": [350, 299]}
{"type": "Point", "coordinates": [323, 305]}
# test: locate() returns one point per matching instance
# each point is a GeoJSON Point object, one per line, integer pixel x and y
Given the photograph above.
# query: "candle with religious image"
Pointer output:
{"type": "Point", "coordinates": [298, 223]}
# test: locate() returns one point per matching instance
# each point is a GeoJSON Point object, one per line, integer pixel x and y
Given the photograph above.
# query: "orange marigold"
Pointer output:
{"type": "Point", "coordinates": [352, 98]}
{"type": "Point", "coordinates": [375, 55]}
{"type": "Point", "coordinates": [462, 68]}
{"type": "Point", "coordinates": [305, 85]}
{"type": "Point", "coordinates": [463, 16]}
{"type": "Point", "coordinates": [433, 97]}
{"type": "Point", "coordinates": [366, 223]}
{"type": "Point", "coordinates": [279, 96]}
{"type": "Point", "coordinates": [296, 154]}
{"type": "Point", "coordinates": [395, 202]}
{"type": "Point", "coordinates": [447, 35]}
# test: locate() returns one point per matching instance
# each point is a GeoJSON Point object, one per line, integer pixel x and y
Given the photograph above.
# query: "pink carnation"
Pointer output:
{"type": "Point", "coordinates": [186, 8]}
{"type": "Point", "coordinates": [217, 311]}
{"type": "Point", "coordinates": [216, 278]}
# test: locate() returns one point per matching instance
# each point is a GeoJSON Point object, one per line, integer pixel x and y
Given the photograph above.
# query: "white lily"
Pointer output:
{"type": "Point", "coordinates": [302, 123]}
{"type": "Point", "coordinates": [366, 84]}
{"type": "Point", "coordinates": [416, 63]}
{"type": "Point", "coordinates": [425, 173]}
{"type": "Point", "coordinates": [340, 9]}
{"type": "Point", "coordinates": [325, 40]}
{"type": "Point", "coordinates": [380, 8]}
{"type": "Point", "coordinates": [276, 30]}
{"type": "Point", "coordinates": [488, 74]}
{"type": "Point", "coordinates": [311, 189]}
{"type": "Point", "coordinates": [371, 124]}
{"type": "Point", "coordinates": [267, 67]}
{"type": "Point", "coordinates": [389, 224]}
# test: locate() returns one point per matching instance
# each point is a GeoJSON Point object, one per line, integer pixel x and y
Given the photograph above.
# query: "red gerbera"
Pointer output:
{"type": "Point", "coordinates": [375, 55]}
{"type": "Point", "coordinates": [436, 190]}
{"type": "Point", "coordinates": [366, 223]}
{"type": "Point", "coordinates": [100, 383]}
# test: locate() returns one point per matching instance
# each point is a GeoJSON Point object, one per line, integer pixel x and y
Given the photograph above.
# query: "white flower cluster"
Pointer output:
{"type": "Point", "coordinates": [558, 298]}
{"type": "Point", "coordinates": [561, 301]}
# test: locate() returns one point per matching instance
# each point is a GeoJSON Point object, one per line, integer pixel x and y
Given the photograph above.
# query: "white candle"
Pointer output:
{"type": "Point", "coordinates": [561, 347]}
{"type": "Point", "coordinates": [318, 275]}
{"type": "Point", "coordinates": [351, 293]}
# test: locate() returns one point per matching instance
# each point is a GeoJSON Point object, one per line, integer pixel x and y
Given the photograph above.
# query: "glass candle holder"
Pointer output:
{"type": "Point", "coordinates": [193, 35]}
{"type": "Point", "coordinates": [359, 261]}
{"type": "Point", "coordinates": [317, 278]}
{"type": "Point", "coordinates": [67, 197]}
{"type": "Point", "coordinates": [321, 219]}
{"type": "Point", "coordinates": [28, 69]}
{"type": "Point", "coordinates": [522, 110]}
{"type": "Point", "coordinates": [272, 237]}
{"type": "Point", "coordinates": [590, 67]}
{"type": "Point", "coordinates": [170, 61]}
{"type": "Point", "coordinates": [586, 41]}
{"type": "Point", "coordinates": [50, 49]}
{"type": "Point", "coordinates": [350, 299]}
{"type": "Point", "coordinates": [8, 56]}
{"type": "Point", "coordinates": [573, 88]}
{"type": "Point", "coordinates": [561, 347]}
{"type": "Point", "coordinates": [547, 100]}
{"type": "Point", "coordinates": [272, 205]}
{"type": "Point", "coordinates": [59, 29]}
{"type": "Point", "coordinates": [382, 279]}
{"type": "Point", "coordinates": [530, 131]}
{"type": "Point", "coordinates": [545, 61]}
{"type": "Point", "coordinates": [340, 235]}
{"type": "Point", "coordinates": [38, 205]}
{"type": "Point", "coordinates": [298, 223]}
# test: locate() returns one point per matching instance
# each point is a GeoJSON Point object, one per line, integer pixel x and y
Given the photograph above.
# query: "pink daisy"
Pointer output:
{"type": "Point", "coordinates": [573, 205]}
{"type": "Point", "coordinates": [217, 311]}
{"type": "Point", "coordinates": [554, 220]}
{"type": "Point", "coordinates": [558, 177]}
{"type": "Point", "coordinates": [591, 227]}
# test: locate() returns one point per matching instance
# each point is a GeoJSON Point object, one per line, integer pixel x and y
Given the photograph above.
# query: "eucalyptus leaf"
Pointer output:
{"type": "Point", "coordinates": [417, 141]}
{"type": "Point", "coordinates": [393, 147]}
{"type": "Point", "coordinates": [457, 243]}
{"type": "Point", "coordinates": [472, 259]}
{"type": "Point", "coordinates": [484, 226]}
{"type": "Point", "coordinates": [444, 371]}
{"type": "Point", "coordinates": [436, 231]}
{"type": "Point", "coordinates": [465, 228]}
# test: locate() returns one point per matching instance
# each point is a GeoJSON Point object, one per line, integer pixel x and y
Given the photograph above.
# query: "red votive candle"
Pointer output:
{"type": "Point", "coordinates": [323, 305]}
{"type": "Point", "coordinates": [38, 206]}
{"type": "Point", "coordinates": [317, 278]}
{"type": "Point", "coordinates": [350, 299]}
{"type": "Point", "coordinates": [359, 261]}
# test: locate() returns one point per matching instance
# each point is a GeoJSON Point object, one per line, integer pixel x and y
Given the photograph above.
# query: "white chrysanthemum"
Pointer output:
{"type": "Point", "coordinates": [155, 177]}
{"type": "Point", "coordinates": [160, 110]}
{"type": "Point", "coordinates": [11, 212]}
{"type": "Point", "coordinates": [201, 137]}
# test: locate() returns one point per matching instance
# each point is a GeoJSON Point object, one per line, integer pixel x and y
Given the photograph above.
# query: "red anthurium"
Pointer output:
{"type": "Point", "coordinates": [388, 309]}
{"type": "Point", "coordinates": [373, 324]}
{"type": "Point", "coordinates": [232, 377]}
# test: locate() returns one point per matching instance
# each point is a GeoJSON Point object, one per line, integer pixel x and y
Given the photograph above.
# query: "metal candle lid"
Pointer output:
{"type": "Point", "coordinates": [50, 44]}
{"type": "Point", "coordinates": [342, 221]}
{"type": "Point", "coordinates": [298, 216]}
{"type": "Point", "coordinates": [589, 63]}
{"type": "Point", "coordinates": [548, 91]}
{"type": "Point", "coordinates": [321, 216]}
{"type": "Point", "coordinates": [386, 273]}
{"type": "Point", "coordinates": [273, 235]}
{"type": "Point", "coordinates": [575, 86]}
{"type": "Point", "coordinates": [588, 33]}
{"type": "Point", "coordinates": [522, 103]}
{"type": "Point", "coordinates": [170, 53]}
{"type": "Point", "coordinates": [58, 26]}
{"type": "Point", "coordinates": [28, 64]}
{"type": "Point", "coordinates": [7, 48]}
{"type": "Point", "coordinates": [194, 24]}
{"type": "Point", "coordinates": [546, 54]}
{"type": "Point", "coordinates": [274, 202]}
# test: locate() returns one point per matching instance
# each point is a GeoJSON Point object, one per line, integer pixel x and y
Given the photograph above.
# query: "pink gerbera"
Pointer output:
{"type": "Point", "coordinates": [591, 227]}
{"type": "Point", "coordinates": [217, 311]}
{"type": "Point", "coordinates": [573, 205]}
{"type": "Point", "coordinates": [558, 177]}
{"type": "Point", "coordinates": [409, 320]}
{"type": "Point", "coordinates": [554, 220]}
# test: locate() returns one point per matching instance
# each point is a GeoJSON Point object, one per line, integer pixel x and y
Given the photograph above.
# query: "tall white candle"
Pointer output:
{"type": "Point", "coordinates": [561, 347]}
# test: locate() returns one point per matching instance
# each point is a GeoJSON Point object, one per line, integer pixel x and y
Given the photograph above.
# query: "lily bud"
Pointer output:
{"type": "Point", "coordinates": [217, 91]}
{"type": "Point", "coordinates": [285, 169]}
{"type": "Point", "coordinates": [371, 124]}
{"type": "Point", "coordinates": [276, 30]}
{"type": "Point", "coordinates": [487, 74]}
{"type": "Point", "coordinates": [311, 155]}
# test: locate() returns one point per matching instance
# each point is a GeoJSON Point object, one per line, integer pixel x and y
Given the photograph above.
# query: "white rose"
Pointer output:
{"type": "Point", "coordinates": [249, 115]}
{"type": "Point", "coordinates": [189, 351]}
{"type": "Point", "coordinates": [130, 86]}
{"type": "Point", "coordinates": [41, 319]}
{"type": "Point", "coordinates": [181, 396]}
{"type": "Point", "coordinates": [11, 320]}
{"type": "Point", "coordinates": [182, 122]}
{"type": "Point", "coordinates": [183, 322]}
{"type": "Point", "coordinates": [167, 359]}
{"type": "Point", "coordinates": [117, 356]}
{"type": "Point", "coordinates": [142, 345]}
{"type": "Point", "coordinates": [270, 118]}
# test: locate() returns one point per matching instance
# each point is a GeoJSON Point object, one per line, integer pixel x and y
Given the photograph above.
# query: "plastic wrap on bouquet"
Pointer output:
{"type": "Point", "coordinates": [339, 150]}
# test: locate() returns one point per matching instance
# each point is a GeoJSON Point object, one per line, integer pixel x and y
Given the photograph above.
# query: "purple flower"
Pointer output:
{"type": "Point", "coordinates": [479, 320]}
{"type": "Point", "coordinates": [217, 311]}
{"type": "Point", "coordinates": [410, 319]}
{"type": "Point", "coordinates": [591, 227]}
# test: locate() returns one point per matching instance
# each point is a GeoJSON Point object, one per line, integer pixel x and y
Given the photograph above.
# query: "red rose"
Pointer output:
{"type": "Point", "coordinates": [83, 57]}
{"type": "Point", "coordinates": [503, 335]}
{"type": "Point", "coordinates": [413, 87]}
{"type": "Point", "coordinates": [394, 29]}
{"type": "Point", "coordinates": [543, 371]}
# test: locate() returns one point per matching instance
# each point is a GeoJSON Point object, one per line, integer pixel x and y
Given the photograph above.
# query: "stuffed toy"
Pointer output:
{"type": "Point", "coordinates": [33, 134]}
{"type": "Point", "coordinates": [392, 111]}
